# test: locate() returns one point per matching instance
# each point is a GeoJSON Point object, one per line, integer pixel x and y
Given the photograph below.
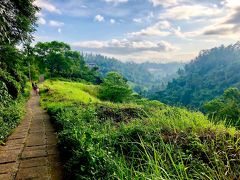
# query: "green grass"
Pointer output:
{"type": "Point", "coordinates": [71, 91]}
{"type": "Point", "coordinates": [138, 140]}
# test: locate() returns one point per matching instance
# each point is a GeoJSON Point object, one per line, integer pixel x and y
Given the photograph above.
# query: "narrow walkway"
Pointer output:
{"type": "Point", "coordinates": [31, 150]}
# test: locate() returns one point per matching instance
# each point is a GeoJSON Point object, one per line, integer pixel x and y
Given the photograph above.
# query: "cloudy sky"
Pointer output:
{"type": "Point", "coordinates": [140, 30]}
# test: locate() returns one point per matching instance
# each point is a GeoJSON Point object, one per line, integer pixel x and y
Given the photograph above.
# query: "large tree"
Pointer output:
{"type": "Point", "coordinates": [57, 59]}
{"type": "Point", "coordinates": [17, 22]}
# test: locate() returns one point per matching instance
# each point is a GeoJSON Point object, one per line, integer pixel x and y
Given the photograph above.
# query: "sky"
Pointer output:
{"type": "Point", "coordinates": [140, 30]}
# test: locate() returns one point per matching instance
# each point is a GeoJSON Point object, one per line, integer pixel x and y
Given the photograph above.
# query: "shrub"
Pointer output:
{"type": "Point", "coordinates": [114, 88]}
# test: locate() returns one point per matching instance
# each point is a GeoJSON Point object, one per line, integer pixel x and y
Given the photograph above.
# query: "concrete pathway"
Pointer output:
{"type": "Point", "coordinates": [31, 150]}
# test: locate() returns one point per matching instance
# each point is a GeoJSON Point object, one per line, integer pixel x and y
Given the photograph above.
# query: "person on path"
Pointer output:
{"type": "Point", "coordinates": [36, 89]}
{"type": "Point", "coordinates": [33, 85]}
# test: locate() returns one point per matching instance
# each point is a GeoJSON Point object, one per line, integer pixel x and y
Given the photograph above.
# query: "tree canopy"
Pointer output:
{"type": "Point", "coordinates": [225, 107]}
{"type": "Point", "coordinates": [114, 88]}
{"type": "Point", "coordinates": [58, 60]}
{"type": "Point", "coordinates": [17, 20]}
{"type": "Point", "coordinates": [205, 78]}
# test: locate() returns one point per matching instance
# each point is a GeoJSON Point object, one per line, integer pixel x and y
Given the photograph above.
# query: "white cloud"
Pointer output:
{"type": "Point", "coordinates": [56, 23]}
{"type": "Point", "coordinates": [112, 21]}
{"type": "Point", "coordinates": [89, 44]}
{"type": "Point", "coordinates": [137, 20]}
{"type": "Point", "coordinates": [164, 3]}
{"type": "Point", "coordinates": [116, 1]}
{"type": "Point", "coordinates": [41, 21]}
{"type": "Point", "coordinates": [160, 29]}
{"type": "Point", "coordinates": [124, 46]}
{"type": "Point", "coordinates": [99, 18]}
{"type": "Point", "coordinates": [231, 3]}
{"type": "Point", "coordinates": [43, 4]}
{"type": "Point", "coordinates": [225, 26]}
{"type": "Point", "coordinates": [59, 30]}
{"type": "Point", "coordinates": [187, 12]}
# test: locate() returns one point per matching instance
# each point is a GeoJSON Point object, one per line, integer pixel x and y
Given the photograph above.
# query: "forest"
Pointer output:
{"type": "Point", "coordinates": [144, 78]}
{"type": "Point", "coordinates": [104, 129]}
{"type": "Point", "coordinates": [204, 78]}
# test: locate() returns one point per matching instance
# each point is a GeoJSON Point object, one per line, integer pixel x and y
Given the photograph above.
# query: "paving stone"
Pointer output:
{"type": "Point", "coordinates": [11, 147]}
{"type": "Point", "coordinates": [8, 168]}
{"type": "Point", "coordinates": [52, 150]}
{"type": "Point", "coordinates": [52, 140]}
{"type": "Point", "coordinates": [17, 136]}
{"type": "Point", "coordinates": [33, 148]}
{"type": "Point", "coordinates": [34, 162]}
{"type": "Point", "coordinates": [33, 173]}
{"type": "Point", "coordinates": [34, 153]}
{"type": "Point", "coordinates": [8, 176]}
{"type": "Point", "coordinates": [35, 140]}
{"type": "Point", "coordinates": [14, 142]}
{"type": "Point", "coordinates": [26, 154]}
{"type": "Point", "coordinates": [9, 156]}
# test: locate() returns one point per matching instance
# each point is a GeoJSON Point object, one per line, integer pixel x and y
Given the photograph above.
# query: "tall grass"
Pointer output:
{"type": "Point", "coordinates": [139, 140]}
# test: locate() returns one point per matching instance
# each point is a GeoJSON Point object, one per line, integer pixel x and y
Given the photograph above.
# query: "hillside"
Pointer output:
{"type": "Point", "coordinates": [143, 76]}
{"type": "Point", "coordinates": [205, 78]}
{"type": "Point", "coordinates": [140, 138]}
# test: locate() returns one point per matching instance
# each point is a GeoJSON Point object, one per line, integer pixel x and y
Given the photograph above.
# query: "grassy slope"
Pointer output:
{"type": "Point", "coordinates": [144, 139]}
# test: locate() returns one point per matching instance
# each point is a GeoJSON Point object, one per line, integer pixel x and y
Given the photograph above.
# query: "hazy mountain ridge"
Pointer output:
{"type": "Point", "coordinates": [142, 76]}
{"type": "Point", "coordinates": [205, 77]}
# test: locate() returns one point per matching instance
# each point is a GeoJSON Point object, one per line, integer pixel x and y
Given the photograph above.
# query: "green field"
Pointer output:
{"type": "Point", "coordinates": [141, 139]}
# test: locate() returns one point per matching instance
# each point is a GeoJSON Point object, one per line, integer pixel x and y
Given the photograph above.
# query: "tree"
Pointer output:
{"type": "Point", "coordinates": [55, 57]}
{"type": "Point", "coordinates": [204, 78]}
{"type": "Point", "coordinates": [226, 107]}
{"type": "Point", "coordinates": [17, 21]}
{"type": "Point", "coordinates": [114, 88]}
{"type": "Point", "coordinates": [59, 60]}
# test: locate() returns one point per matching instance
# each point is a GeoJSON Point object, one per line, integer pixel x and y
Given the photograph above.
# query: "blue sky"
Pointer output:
{"type": "Point", "coordinates": [140, 30]}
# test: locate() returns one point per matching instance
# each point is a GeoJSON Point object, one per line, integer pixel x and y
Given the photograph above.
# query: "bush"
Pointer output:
{"type": "Point", "coordinates": [114, 88]}
{"type": "Point", "coordinates": [226, 107]}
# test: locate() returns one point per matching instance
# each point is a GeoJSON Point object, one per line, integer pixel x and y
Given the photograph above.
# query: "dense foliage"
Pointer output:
{"type": "Point", "coordinates": [144, 78]}
{"type": "Point", "coordinates": [225, 107]}
{"type": "Point", "coordinates": [56, 59]}
{"type": "Point", "coordinates": [204, 78]}
{"type": "Point", "coordinates": [17, 21]}
{"type": "Point", "coordinates": [138, 140]}
{"type": "Point", "coordinates": [114, 88]}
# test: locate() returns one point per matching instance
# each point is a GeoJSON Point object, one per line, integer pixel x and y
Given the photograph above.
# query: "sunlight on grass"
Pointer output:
{"type": "Point", "coordinates": [72, 91]}
{"type": "Point", "coordinates": [141, 139]}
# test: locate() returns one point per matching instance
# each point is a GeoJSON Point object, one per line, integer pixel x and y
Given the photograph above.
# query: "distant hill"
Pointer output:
{"type": "Point", "coordinates": [142, 77]}
{"type": "Point", "coordinates": [205, 78]}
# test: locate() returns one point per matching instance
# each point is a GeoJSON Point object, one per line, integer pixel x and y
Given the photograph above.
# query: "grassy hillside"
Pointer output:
{"type": "Point", "coordinates": [138, 140]}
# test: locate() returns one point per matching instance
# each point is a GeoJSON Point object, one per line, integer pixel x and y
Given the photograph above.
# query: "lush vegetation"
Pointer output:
{"type": "Point", "coordinates": [144, 78]}
{"type": "Point", "coordinates": [114, 88]}
{"type": "Point", "coordinates": [140, 139]}
{"type": "Point", "coordinates": [56, 59]}
{"type": "Point", "coordinates": [105, 131]}
{"type": "Point", "coordinates": [226, 107]}
{"type": "Point", "coordinates": [205, 78]}
{"type": "Point", "coordinates": [17, 21]}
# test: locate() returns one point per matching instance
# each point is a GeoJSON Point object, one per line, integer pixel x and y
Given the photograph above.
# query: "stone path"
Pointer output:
{"type": "Point", "coordinates": [31, 150]}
